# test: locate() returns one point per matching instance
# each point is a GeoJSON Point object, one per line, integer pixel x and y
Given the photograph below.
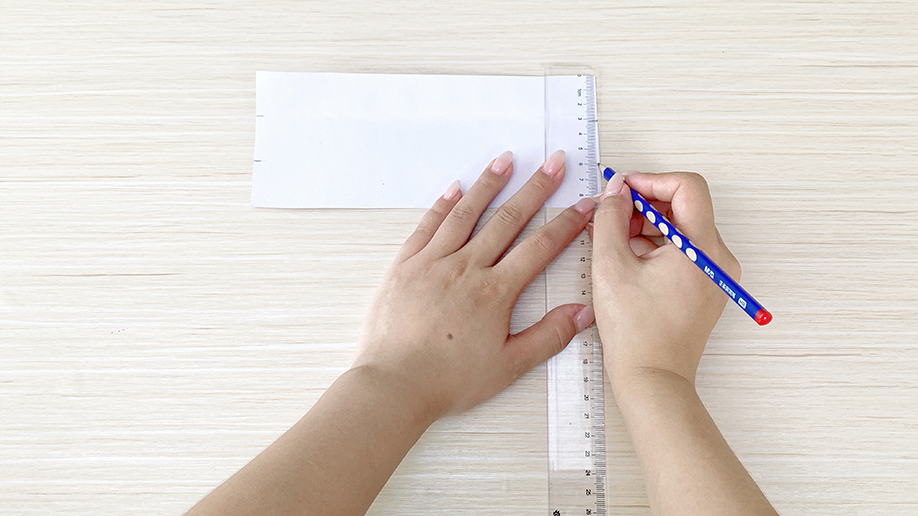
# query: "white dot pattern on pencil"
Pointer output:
{"type": "Point", "coordinates": [664, 229]}
{"type": "Point", "coordinates": [639, 205]}
{"type": "Point", "coordinates": [691, 254]}
{"type": "Point", "coordinates": [677, 241]}
{"type": "Point", "coordinates": [651, 217]}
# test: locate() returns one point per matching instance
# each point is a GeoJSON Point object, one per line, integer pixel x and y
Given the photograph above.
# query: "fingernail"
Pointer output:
{"type": "Point", "coordinates": [584, 318]}
{"type": "Point", "coordinates": [452, 191]}
{"type": "Point", "coordinates": [501, 164]}
{"type": "Point", "coordinates": [585, 206]}
{"type": "Point", "coordinates": [613, 187]}
{"type": "Point", "coordinates": [554, 163]}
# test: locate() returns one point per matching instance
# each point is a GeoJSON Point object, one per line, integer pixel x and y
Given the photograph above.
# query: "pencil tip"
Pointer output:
{"type": "Point", "coordinates": [607, 172]}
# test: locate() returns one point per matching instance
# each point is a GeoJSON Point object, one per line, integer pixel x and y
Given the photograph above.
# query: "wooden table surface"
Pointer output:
{"type": "Point", "coordinates": [156, 332]}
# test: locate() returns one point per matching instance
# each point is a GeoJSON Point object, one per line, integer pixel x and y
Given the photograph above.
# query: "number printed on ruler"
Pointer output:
{"type": "Point", "coordinates": [587, 157]}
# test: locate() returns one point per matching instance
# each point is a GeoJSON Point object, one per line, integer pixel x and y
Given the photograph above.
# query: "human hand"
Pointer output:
{"type": "Point", "coordinates": [441, 318]}
{"type": "Point", "coordinates": [654, 308]}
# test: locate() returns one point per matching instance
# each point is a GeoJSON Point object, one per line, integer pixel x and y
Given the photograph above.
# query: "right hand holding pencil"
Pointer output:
{"type": "Point", "coordinates": [654, 308]}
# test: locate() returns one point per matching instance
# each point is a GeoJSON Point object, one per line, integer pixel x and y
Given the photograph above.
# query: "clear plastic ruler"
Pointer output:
{"type": "Point", "coordinates": [576, 424]}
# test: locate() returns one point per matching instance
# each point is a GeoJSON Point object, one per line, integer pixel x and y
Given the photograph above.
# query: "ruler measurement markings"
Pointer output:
{"type": "Point", "coordinates": [577, 466]}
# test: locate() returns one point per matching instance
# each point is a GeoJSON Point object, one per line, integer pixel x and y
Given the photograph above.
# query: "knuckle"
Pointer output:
{"type": "Point", "coordinates": [493, 286]}
{"type": "Point", "coordinates": [544, 242]}
{"type": "Point", "coordinates": [726, 259]}
{"type": "Point", "coordinates": [423, 232]}
{"type": "Point", "coordinates": [560, 341]}
{"type": "Point", "coordinates": [454, 273]}
{"type": "Point", "coordinates": [696, 180]}
{"type": "Point", "coordinates": [733, 265]}
{"type": "Point", "coordinates": [440, 210]}
{"type": "Point", "coordinates": [510, 215]}
{"type": "Point", "coordinates": [463, 213]}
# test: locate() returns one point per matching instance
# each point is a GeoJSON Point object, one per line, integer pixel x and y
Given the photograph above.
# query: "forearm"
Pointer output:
{"type": "Point", "coordinates": [688, 466]}
{"type": "Point", "coordinates": [336, 459]}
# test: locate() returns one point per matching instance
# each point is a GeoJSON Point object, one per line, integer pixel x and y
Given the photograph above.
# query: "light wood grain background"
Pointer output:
{"type": "Point", "coordinates": [156, 332]}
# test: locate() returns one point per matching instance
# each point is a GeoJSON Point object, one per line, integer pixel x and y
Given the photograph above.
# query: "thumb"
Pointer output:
{"type": "Point", "coordinates": [611, 222]}
{"type": "Point", "coordinates": [547, 337]}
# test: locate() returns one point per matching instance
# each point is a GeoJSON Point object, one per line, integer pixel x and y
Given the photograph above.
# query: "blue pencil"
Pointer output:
{"type": "Point", "coordinates": [718, 276]}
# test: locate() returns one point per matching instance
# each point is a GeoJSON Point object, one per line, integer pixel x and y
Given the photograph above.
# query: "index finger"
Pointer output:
{"type": "Point", "coordinates": [525, 261]}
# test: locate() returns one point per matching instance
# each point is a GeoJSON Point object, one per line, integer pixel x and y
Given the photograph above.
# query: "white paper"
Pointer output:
{"type": "Point", "coordinates": [327, 140]}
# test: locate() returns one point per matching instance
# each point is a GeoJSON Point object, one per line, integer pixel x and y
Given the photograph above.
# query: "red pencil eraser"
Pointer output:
{"type": "Point", "coordinates": [763, 317]}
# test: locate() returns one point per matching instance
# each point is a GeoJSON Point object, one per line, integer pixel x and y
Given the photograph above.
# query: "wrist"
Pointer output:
{"type": "Point", "coordinates": [402, 397]}
{"type": "Point", "coordinates": [641, 388]}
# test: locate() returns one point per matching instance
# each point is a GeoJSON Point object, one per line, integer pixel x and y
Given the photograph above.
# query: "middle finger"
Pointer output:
{"type": "Point", "coordinates": [509, 220]}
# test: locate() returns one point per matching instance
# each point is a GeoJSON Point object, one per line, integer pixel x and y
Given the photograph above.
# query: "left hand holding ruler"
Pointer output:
{"type": "Point", "coordinates": [417, 133]}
